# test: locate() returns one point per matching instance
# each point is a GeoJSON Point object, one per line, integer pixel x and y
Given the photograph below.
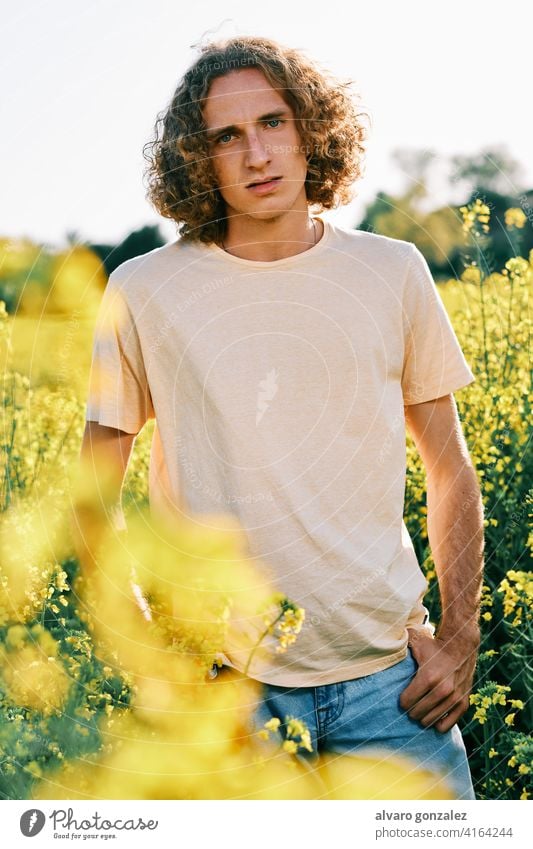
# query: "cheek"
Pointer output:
{"type": "Point", "coordinates": [223, 170]}
{"type": "Point", "coordinates": [300, 162]}
{"type": "Point", "coordinates": [296, 145]}
{"type": "Point", "coordinates": [218, 164]}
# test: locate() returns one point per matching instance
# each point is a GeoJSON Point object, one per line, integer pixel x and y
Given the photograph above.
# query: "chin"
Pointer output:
{"type": "Point", "coordinates": [278, 207]}
{"type": "Point", "coordinates": [265, 214]}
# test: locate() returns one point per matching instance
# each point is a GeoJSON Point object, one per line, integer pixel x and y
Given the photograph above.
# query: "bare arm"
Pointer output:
{"type": "Point", "coordinates": [104, 457]}
{"type": "Point", "coordinates": [114, 445]}
{"type": "Point", "coordinates": [455, 514]}
{"type": "Point", "coordinates": [455, 530]}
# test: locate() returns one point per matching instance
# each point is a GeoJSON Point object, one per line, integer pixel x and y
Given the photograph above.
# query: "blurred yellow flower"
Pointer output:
{"type": "Point", "coordinates": [474, 212]}
{"type": "Point", "coordinates": [517, 266]}
{"type": "Point", "coordinates": [515, 217]}
{"type": "Point", "coordinates": [32, 671]}
{"type": "Point", "coordinates": [17, 255]}
{"type": "Point", "coordinates": [471, 274]}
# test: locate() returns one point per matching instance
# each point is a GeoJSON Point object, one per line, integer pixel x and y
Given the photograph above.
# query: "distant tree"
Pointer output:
{"type": "Point", "coordinates": [137, 243]}
{"type": "Point", "coordinates": [492, 169]}
{"type": "Point", "coordinates": [503, 243]}
{"type": "Point", "coordinates": [73, 238]}
{"type": "Point", "coordinates": [438, 233]}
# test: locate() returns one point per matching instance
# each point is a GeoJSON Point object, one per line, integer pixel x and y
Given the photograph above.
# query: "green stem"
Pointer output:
{"type": "Point", "coordinates": [7, 480]}
{"type": "Point", "coordinates": [508, 330]}
{"type": "Point", "coordinates": [528, 675]}
{"type": "Point", "coordinates": [487, 742]}
{"type": "Point", "coordinates": [260, 640]}
{"type": "Point", "coordinates": [474, 240]}
{"type": "Point", "coordinates": [484, 323]}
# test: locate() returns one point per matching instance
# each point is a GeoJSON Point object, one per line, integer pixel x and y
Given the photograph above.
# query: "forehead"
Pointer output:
{"type": "Point", "coordinates": [239, 97]}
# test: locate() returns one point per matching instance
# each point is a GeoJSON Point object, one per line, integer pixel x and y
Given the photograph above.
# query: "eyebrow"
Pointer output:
{"type": "Point", "coordinates": [219, 131]}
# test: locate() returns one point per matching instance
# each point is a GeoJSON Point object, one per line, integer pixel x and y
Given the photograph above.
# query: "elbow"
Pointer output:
{"type": "Point", "coordinates": [458, 476]}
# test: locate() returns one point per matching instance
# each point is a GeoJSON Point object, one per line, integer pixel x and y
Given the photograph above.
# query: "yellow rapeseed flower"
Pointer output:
{"type": "Point", "coordinates": [475, 212]}
{"type": "Point", "coordinates": [295, 727]}
{"type": "Point", "coordinates": [515, 217]}
{"type": "Point", "coordinates": [34, 677]}
{"type": "Point", "coordinates": [499, 698]}
{"type": "Point", "coordinates": [517, 266]}
{"type": "Point", "coordinates": [481, 715]}
{"type": "Point", "coordinates": [305, 741]}
{"type": "Point", "coordinates": [471, 274]}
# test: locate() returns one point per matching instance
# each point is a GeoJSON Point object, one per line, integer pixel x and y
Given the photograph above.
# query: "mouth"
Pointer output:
{"type": "Point", "coordinates": [263, 186]}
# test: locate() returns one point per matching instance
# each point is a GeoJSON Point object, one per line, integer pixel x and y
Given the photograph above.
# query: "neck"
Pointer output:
{"type": "Point", "coordinates": [289, 233]}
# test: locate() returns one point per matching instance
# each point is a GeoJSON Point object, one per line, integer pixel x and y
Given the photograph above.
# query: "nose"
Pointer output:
{"type": "Point", "coordinates": [257, 155]}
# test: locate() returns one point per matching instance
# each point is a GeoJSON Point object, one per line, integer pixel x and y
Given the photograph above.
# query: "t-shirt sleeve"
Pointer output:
{"type": "Point", "coordinates": [119, 394]}
{"type": "Point", "coordinates": [434, 364]}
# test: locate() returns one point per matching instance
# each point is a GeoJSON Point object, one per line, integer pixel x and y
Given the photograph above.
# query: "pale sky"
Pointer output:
{"type": "Point", "coordinates": [87, 79]}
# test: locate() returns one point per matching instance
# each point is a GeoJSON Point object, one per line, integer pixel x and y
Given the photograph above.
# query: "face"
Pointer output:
{"type": "Point", "coordinates": [253, 137]}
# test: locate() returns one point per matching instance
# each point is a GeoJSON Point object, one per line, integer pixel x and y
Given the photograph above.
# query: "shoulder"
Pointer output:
{"type": "Point", "coordinates": [155, 267]}
{"type": "Point", "coordinates": [373, 249]}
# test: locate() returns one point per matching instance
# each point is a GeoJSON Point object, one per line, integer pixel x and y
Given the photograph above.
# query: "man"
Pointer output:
{"type": "Point", "coordinates": [281, 357]}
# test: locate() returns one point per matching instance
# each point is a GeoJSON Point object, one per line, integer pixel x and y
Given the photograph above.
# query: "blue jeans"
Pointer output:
{"type": "Point", "coordinates": [364, 713]}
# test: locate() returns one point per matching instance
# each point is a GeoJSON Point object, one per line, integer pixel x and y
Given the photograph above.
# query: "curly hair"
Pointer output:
{"type": "Point", "coordinates": [181, 180]}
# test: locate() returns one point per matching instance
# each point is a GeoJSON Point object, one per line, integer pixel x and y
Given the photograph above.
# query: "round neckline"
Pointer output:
{"type": "Point", "coordinates": [274, 263]}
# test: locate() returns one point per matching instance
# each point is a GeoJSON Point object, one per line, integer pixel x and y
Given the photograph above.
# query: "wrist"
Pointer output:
{"type": "Point", "coordinates": [467, 634]}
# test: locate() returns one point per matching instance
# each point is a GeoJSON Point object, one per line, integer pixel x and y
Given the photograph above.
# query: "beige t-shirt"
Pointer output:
{"type": "Point", "coordinates": [278, 390]}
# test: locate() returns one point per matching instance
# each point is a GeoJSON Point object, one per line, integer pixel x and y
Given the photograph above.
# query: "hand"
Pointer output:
{"type": "Point", "coordinates": [438, 693]}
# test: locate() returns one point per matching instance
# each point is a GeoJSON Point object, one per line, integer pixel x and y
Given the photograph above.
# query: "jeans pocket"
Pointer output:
{"type": "Point", "coordinates": [411, 656]}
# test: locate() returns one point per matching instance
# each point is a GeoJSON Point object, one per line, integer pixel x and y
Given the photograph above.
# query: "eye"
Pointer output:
{"type": "Point", "coordinates": [276, 120]}
{"type": "Point", "coordinates": [224, 136]}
